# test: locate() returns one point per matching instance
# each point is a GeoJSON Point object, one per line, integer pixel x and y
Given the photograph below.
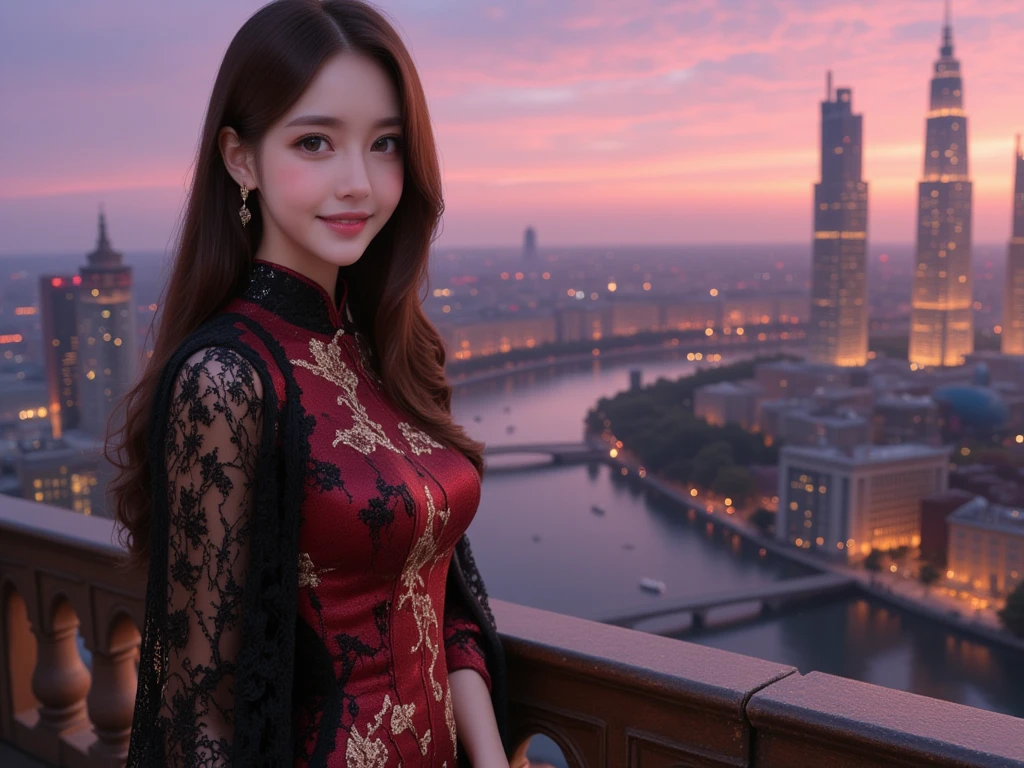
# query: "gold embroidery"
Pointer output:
{"type": "Point", "coordinates": [365, 434]}
{"type": "Point", "coordinates": [424, 553]}
{"type": "Point", "coordinates": [309, 575]}
{"type": "Point", "coordinates": [419, 441]}
{"type": "Point", "coordinates": [361, 752]}
{"type": "Point", "coordinates": [449, 719]}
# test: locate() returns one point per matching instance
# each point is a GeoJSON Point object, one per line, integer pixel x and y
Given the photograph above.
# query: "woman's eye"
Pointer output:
{"type": "Point", "coordinates": [395, 140]}
{"type": "Point", "coordinates": [311, 143]}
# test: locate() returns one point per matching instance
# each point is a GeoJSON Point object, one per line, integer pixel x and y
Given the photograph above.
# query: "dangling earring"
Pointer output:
{"type": "Point", "coordinates": [243, 213]}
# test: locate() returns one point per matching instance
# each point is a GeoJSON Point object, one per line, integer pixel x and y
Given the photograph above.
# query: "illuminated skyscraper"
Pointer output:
{"type": "Point", "coordinates": [58, 300]}
{"type": "Point", "coordinates": [838, 331]}
{"type": "Point", "coordinates": [106, 335]}
{"type": "Point", "coordinates": [1013, 303]}
{"type": "Point", "coordinates": [941, 320]}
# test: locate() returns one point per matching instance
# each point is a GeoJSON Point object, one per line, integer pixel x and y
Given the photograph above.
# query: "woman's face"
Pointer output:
{"type": "Point", "coordinates": [331, 170]}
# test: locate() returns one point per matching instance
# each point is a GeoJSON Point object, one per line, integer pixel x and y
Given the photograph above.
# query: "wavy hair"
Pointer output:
{"type": "Point", "coordinates": [268, 65]}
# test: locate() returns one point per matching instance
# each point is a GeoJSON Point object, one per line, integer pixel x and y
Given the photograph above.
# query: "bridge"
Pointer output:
{"type": "Point", "coordinates": [560, 453]}
{"type": "Point", "coordinates": [772, 598]}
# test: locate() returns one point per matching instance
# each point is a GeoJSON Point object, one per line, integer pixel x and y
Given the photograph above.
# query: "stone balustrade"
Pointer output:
{"type": "Point", "coordinates": [607, 696]}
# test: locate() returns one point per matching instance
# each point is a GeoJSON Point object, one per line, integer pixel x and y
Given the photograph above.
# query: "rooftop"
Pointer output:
{"type": "Point", "coordinates": [979, 512]}
{"type": "Point", "coordinates": [866, 454]}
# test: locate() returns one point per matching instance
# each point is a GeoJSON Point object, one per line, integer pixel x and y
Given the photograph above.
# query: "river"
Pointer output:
{"type": "Point", "coordinates": [587, 565]}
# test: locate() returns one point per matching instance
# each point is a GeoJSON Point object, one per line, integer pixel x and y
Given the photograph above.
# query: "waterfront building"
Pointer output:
{"type": "Point", "coordinates": [837, 331]}
{"type": "Point", "coordinates": [1013, 301]}
{"type": "Point", "coordinates": [986, 547]}
{"type": "Point", "coordinates": [941, 321]}
{"type": "Point", "coordinates": [846, 503]}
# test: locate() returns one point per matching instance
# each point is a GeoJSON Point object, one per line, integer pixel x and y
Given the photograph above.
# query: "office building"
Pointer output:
{"type": "Point", "coordinates": [58, 302]}
{"type": "Point", "coordinates": [107, 356]}
{"type": "Point", "coordinates": [837, 332]}
{"type": "Point", "coordinates": [941, 319]}
{"type": "Point", "coordinates": [1013, 301]}
{"type": "Point", "coordinates": [846, 503]}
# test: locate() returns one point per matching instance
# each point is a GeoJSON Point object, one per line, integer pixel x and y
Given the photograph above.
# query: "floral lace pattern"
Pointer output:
{"type": "Point", "coordinates": [212, 445]}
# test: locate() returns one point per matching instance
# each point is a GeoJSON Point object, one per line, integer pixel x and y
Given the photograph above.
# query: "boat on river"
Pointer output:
{"type": "Point", "coordinates": [652, 585]}
{"type": "Point", "coordinates": [596, 509]}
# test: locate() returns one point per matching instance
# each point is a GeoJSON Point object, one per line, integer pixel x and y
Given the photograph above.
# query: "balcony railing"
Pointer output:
{"type": "Point", "coordinates": [607, 696]}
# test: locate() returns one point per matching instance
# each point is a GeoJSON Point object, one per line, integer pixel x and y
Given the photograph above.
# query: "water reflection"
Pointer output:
{"type": "Point", "coordinates": [538, 543]}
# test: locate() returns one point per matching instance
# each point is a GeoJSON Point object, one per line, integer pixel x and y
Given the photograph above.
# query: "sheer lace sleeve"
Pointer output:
{"type": "Point", "coordinates": [463, 639]}
{"type": "Point", "coordinates": [211, 448]}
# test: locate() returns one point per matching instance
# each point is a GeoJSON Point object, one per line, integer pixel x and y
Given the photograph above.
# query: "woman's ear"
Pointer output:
{"type": "Point", "coordinates": [237, 158]}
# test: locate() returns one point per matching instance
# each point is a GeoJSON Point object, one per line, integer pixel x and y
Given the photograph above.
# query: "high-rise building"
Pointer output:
{"type": "Point", "coordinates": [58, 300]}
{"type": "Point", "coordinates": [106, 335]}
{"type": "Point", "coordinates": [838, 329]}
{"type": "Point", "coordinates": [1013, 303]}
{"type": "Point", "coordinates": [941, 321]}
{"type": "Point", "coordinates": [530, 245]}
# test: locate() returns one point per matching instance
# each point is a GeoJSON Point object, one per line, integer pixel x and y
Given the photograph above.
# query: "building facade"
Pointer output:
{"type": "Point", "coordinates": [837, 332]}
{"type": "Point", "coordinates": [106, 335]}
{"type": "Point", "coordinates": [58, 305]}
{"type": "Point", "coordinates": [846, 503]}
{"type": "Point", "coordinates": [1013, 301]}
{"type": "Point", "coordinates": [941, 321]}
{"type": "Point", "coordinates": [986, 546]}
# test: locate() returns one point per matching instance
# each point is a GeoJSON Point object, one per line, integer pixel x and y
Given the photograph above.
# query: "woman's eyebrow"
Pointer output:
{"type": "Point", "coordinates": [327, 121]}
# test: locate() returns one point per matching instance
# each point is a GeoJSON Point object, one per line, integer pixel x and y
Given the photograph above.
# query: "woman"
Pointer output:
{"type": "Point", "coordinates": [289, 466]}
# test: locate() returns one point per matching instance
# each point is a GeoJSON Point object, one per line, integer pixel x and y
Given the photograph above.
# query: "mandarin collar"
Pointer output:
{"type": "Point", "coordinates": [296, 298]}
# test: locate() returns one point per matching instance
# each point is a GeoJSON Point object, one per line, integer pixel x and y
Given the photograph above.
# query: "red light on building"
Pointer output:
{"type": "Point", "coordinates": [77, 280]}
{"type": "Point", "coordinates": [56, 282]}
{"type": "Point", "coordinates": [10, 338]}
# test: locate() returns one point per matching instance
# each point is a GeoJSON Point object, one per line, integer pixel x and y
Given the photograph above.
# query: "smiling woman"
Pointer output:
{"type": "Point", "coordinates": [290, 472]}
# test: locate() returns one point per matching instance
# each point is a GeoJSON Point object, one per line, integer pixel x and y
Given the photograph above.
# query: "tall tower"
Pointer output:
{"type": "Point", "coordinates": [530, 245]}
{"type": "Point", "coordinates": [1013, 303]}
{"type": "Point", "coordinates": [106, 335]}
{"type": "Point", "coordinates": [941, 320]}
{"type": "Point", "coordinates": [58, 300]}
{"type": "Point", "coordinates": [839, 303]}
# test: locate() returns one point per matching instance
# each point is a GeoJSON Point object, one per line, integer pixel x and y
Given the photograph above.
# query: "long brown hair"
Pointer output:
{"type": "Point", "coordinates": [268, 65]}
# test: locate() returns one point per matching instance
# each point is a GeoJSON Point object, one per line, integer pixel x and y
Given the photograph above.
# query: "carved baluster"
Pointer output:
{"type": "Point", "coordinates": [112, 697]}
{"type": "Point", "coordinates": [60, 680]}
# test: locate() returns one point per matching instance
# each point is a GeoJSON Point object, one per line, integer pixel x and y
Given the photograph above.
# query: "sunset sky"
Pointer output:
{"type": "Point", "coordinates": [600, 122]}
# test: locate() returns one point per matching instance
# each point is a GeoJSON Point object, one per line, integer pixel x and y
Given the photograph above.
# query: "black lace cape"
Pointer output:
{"type": "Point", "coordinates": [263, 701]}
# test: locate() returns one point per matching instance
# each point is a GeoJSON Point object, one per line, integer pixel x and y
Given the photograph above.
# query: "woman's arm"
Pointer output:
{"type": "Point", "coordinates": [474, 719]}
{"type": "Point", "coordinates": [212, 443]}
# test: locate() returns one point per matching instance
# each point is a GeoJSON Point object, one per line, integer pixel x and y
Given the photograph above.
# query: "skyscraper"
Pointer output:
{"type": "Point", "coordinates": [529, 245]}
{"type": "Point", "coordinates": [838, 332]}
{"type": "Point", "coordinates": [106, 334]}
{"type": "Point", "coordinates": [1013, 303]}
{"type": "Point", "coordinates": [58, 300]}
{"type": "Point", "coordinates": [941, 320]}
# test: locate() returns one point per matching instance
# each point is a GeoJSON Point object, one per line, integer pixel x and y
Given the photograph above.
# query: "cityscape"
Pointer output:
{"type": "Point", "coordinates": [801, 453]}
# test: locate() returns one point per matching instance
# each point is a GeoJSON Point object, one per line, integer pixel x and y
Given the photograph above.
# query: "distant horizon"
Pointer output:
{"type": "Point", "coordinates": [609, 122]}
{"type": "Point", "coordinates": [541, 246]}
